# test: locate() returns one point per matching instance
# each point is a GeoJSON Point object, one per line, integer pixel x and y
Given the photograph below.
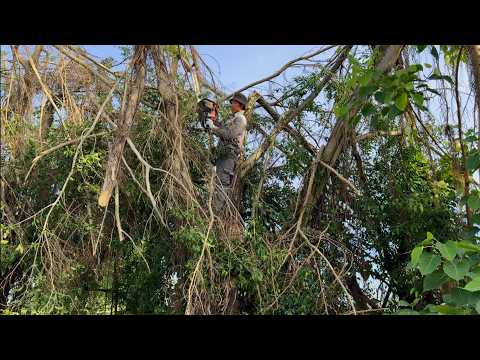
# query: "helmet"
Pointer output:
{"type": "Point", "coordinates": [242, 99]}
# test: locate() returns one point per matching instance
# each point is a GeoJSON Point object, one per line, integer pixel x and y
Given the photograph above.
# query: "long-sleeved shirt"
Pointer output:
{"type": "Point", "coordinates": [232, 132]}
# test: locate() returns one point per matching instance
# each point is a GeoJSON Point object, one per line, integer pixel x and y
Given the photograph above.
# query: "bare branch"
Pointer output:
{"type": "Point", "coordinates": [281, 70]}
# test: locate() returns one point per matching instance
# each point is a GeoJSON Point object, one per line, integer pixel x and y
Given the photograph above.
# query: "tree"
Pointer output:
{"type": "Point", "coordinates": [357, 193]}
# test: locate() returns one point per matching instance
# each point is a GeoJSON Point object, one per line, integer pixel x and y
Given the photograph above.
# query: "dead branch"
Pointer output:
{"type": "Point", "coordinates": [134, 90]}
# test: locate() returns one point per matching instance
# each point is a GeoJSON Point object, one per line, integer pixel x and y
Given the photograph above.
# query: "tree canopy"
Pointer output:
{"type": "Point", "coordinates": [357, 193]}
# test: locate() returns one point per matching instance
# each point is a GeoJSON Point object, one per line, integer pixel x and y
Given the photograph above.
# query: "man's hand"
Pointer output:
{"type": "Point", "coordinates": [210, 125]}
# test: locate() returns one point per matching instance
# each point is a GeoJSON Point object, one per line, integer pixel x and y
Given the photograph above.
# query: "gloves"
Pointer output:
{"type": "Point", "coordinates": [210, 125]}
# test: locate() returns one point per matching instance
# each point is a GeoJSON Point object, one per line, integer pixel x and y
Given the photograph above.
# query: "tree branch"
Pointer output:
{"type": "Point", "coordinates": [290, 114]}
{"type": "Point", "coordinates": [279, 71]}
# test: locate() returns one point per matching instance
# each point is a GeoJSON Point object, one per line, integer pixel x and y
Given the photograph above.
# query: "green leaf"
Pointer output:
{"type": "Point", "coordinates": [448, 250]}
{"type": "Point", "coordinates": [473, 162]}
{"type": "Point", "coordinates": [403, 303]}
{"type": "Point", "coordinates": [468, 246]}
{"type": "Point", "coordinates": [428, 65]}
{"type": "Point", "coordinates": [368, 109]}
{"type": "Point", "coordinates": [401, 101]}
{"type": "Point", "coordinates": [415, 255]}
{"type": "Point", "coordinates": [461, 297]}
{"type": "Point", "coordinates": [393, 112]}
{"type": "Point", "coordinates": [473, 202]}
{"type": "Point", "coordinates": [365, 79]}
{"type": "Point", "coordinates": [341, 111]}
{"type": "Point", "coordinates": [438, 76]}
{"type": "Point", "coordinates": [20, 249]}
{"type": "Point", "coordinates": [415, 68]}
{"type": "Point", "coordinates": [434, 52]}
{"type": "Point", "coordinates": [433, 91]}
{"type": "Point", "coordinates": [434, 280]}
{"type": "Point", "coordinates": [380, 97]}
{"type": "Point", "coordinates": [430, 236]}
{"type": "Point", "coordinates": [475, 271]}
{"type": "Point", "coordinates": [366, 91]}
{"type": "Point", "coordinates": [428, 240]}
{"type": "Point", "coordinates": [476, 219]}
{"type": "Point", "coordinates": [473, 285]}
{"type": "Point", "coordinates": [418, 99]}
{"type": "Point", "coordinates": [428, 263]}
{"type": "Point", "coordinates": [420, 48]}
{"type": "Point", "coordinates": [407, 312]}
{"type": "Point", "coordinates": [448, 310]}
{"type": "Point", "coordinates": [477, 307]}
{"type": "Point", "coordinates": [457, 270]}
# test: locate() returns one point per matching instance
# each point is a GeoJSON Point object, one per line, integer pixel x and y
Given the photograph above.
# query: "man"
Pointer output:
{"type": "Point", "coordinates": [232, 136]}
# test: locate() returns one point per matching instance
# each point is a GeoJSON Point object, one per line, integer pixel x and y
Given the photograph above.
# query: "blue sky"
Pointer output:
{"type": "Point", "coordinates": [235, 65]}
{"type": "Point", "coordinates": [239, 65]}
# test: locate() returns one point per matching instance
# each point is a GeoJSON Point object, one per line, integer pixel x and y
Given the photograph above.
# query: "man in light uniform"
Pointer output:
{"type": "Point", "coordinates": [232, 136]}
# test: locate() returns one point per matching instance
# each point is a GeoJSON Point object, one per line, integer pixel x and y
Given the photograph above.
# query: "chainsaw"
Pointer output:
{"type": "Point", "coordinates": [207, 109]}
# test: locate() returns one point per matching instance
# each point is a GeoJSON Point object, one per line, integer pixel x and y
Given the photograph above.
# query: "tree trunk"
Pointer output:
{"type": "Point", "coordinates": [474, 54]}
{"type": "Point", "coordinates": [135, 87]}
{"type": "Point", "coordinates": [336, 144]}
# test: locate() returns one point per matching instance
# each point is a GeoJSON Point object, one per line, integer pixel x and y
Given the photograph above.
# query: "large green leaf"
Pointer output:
{"type": "Point", "coordinates": [448, 250]}
{"type": "Point", "coordinates": [473, 201]}
{"type": "Point", "coordinates": [367, 90]}
{"type": "Point", "coordinates": [473, 285]}
{"type": "Point", "coordinates": [476, 218]}
{"type": "Point", "coordinates": [401, 101]}
{"type": "Point", "coordinates": [407, 312]}
{"type": "Point", "coordinates": [448, 310]}
{"type": "Point", "coordinates": [475, 270]}
{"type": "Point", "coordinates": [461, 297]}
{"type": "Point", "coordinates": [415, 255]}
{"type": "Point", "coordinates": [428, 263]}
{"type": "Point", "coordinates": [418, 98]}
{"type": "Point", "coordinates": [457, 270]}
{"type": "Point", "coordinates": [468, 246]}
{"type": "Point", "coordinates": [434, 280]}
{"type": "Point", "coordinates": [473, 162]}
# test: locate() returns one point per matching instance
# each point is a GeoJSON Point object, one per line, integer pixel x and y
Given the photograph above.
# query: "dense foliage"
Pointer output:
{"type": "Point", "coordinates": [365, 200]}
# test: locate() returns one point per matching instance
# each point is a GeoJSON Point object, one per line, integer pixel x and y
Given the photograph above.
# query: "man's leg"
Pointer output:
{"type": "Point", "coordinates": [225, 171]}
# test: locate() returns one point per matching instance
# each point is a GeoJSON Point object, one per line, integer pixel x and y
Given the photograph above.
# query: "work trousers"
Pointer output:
{"type": "Point", "coordinates": [225, 171]}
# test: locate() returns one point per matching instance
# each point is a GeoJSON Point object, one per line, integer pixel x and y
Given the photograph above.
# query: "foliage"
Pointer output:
{"type": "Point", "coordinates": [388, 233]}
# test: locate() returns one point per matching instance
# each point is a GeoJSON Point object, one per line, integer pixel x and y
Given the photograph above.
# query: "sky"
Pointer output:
{"type": "Point", "coordinates": [234, 65]}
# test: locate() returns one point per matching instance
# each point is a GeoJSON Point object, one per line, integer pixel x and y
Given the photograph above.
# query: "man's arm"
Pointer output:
{"type": "Point", "coordinates": [234, 131]}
